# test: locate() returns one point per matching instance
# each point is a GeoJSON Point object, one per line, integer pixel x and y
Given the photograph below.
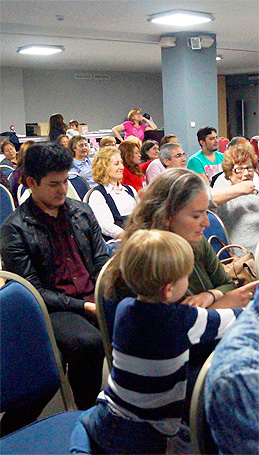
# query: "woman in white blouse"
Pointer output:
{"type": "Point", "coordinates": [111, 201]}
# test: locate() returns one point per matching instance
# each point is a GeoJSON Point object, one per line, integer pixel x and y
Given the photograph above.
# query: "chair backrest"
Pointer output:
{"type": "Point", "coordinates": [7, 203]}
{"type": "Point", "coordinates": [201, 439]}
{"type": "Point", "coordinates": [80, 184]}
{"type": "Point", "coordinates": [71, 192]}
{"type": "Point", "coordinates": [86, 197]}
{"type": "Point", "coordinates": [7, 170]}
{"type": "Point", "coordinates": [105, 313]}
{"type": "Point", "coordinates": [22, 193]}
{"type": "Point", "coordinates": [30, 361]}
{"type": "Point", "coordinates": [217, 228]}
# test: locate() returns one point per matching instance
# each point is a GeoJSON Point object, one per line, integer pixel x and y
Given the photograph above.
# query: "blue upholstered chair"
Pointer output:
{"type": "Point", "coordinates": [7, 203]}
{"type": "Point", "coordinates": [7, 170]}
{"type": "Point", "coordinates": [80, 184]}
{"type": "Point", "coordinates": [30, 368]}
{"type": "Point", "coordinates": [215, 231]}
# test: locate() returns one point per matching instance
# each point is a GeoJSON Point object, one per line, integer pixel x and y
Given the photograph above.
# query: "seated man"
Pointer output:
{"type": "Point", "coordinates": [170, 155]}
{"type": "Point", "coordinates": [231, 387]}
{"type": "Point", "coordinates": [56, 244]}
{"type": "Point", "coordinates": [207, 161]}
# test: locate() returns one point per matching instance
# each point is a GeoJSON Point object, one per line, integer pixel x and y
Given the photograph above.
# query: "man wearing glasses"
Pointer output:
{"type": "Point", "coordinates": [170, 155]}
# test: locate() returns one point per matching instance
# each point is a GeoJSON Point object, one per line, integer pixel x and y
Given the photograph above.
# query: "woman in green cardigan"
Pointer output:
{"type": "Point", "coordinates": [177, 201]}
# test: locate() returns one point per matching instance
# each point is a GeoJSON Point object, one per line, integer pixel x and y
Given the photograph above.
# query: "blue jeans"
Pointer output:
{"type": "Point", "coordinates": [115, 434]}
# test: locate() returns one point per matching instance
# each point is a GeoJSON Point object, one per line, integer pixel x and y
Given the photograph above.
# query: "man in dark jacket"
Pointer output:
{"type": "Point", "coordinates": [56, 244]}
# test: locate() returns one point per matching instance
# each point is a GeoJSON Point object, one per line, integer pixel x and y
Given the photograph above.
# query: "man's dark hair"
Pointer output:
{"type": "Point", "coordinates": [43, 158]}
{"type": "Point", "coordinates": [204, 132]}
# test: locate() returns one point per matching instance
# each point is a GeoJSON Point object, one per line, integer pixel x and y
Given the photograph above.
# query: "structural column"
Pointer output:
{"type": "Point", "coordinates": [189, 88]}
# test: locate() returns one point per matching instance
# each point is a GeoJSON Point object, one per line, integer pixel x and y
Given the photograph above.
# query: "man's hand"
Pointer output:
{"type": "Point", "coordinates": [90, 309]}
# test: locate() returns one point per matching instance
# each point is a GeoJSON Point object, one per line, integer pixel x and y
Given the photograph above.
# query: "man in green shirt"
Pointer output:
{"type": "Point", "coordinates": [206, 161]}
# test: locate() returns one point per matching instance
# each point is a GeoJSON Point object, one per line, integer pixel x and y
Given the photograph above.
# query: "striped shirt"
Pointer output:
{"type": "Point", "coordinates": [150, 358]}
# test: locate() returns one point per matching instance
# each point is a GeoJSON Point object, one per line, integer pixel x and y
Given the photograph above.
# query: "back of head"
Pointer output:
{"type": "Point", "coordinates": [107, 140]}
{"type": "Point", "coordinates": [134, 139]}
{"type": "Point", "coordinates": [56, 122]}
{"type": "Point", "coordinates": [168, 138]}
{"type": "Point", "coordinates": [204, 132]}
{"type": "Point", "coordinates": [73, 123]}
{"type": "Point", "coordinates": [101, 164]}
{"type": "Point", "coordinates": [23, 149]}
{"type": "Point", "coordinates": [43, 158]}
{"type": "Point", "coordinates": [151, 259]}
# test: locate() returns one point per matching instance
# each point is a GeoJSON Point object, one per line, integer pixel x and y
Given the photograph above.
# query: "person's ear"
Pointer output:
{"type": "Point", "coordinates": [31, 182]}
{"type": "Point", "coordinates": [168, 291]}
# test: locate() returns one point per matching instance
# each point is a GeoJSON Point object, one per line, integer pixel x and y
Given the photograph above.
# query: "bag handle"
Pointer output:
{"type": "Point", "coordinates": [227, 247]}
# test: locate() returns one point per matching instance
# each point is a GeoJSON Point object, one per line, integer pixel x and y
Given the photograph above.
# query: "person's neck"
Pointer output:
{"type": "Point", "coordinates": [136, 123]}
{"type": "Point", "coordinates": [208, 153]}
{"type": "Point", "coordinates": [50, 210]}
{"type": "Point", "coordinates": [149, 299]}
{"type": "Point", "coordinates": [115, 183]}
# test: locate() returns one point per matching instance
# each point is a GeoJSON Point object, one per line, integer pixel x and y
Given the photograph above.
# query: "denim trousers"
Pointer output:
{"type": "Point", "coordinates": [115, 434]}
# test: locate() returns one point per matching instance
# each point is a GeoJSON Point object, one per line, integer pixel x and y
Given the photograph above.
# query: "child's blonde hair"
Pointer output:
{"type": "Point", "coordinates": [151, 259]}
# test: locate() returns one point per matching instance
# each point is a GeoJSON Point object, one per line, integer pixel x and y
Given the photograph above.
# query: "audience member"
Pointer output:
{"type": "Point", "coordinates": [132, 173]}
{"type": "Point", "coordinates": [254, 141]}
{"type": "Point", "coordinates": [82, 164]}
{"type": "Point", "coordinates": [72, 129]}
{"type": "Point", "coordinates": [241, 215]}
{"type": "Point", "coordinates": [107, 140]}
{"type": "Point", "coordinates": [16, 175]}
{"type": "Point", "coordinates": [57, 126]}
{"type": "Point", "coordinates": [170, 155]}
{"type": "Point", "coordinates": [134, 126]}
{"type": "Point", "coordinates": [149, 152]}
{"type": "Point", "coordinates": [62, 139]}
{"type": "Point", "coordinates": [9, 151]}
{"type": "Point", "coordinates": [231, 386]}
{"type": "Point", "coordinates": [111, 201]}
{"type": "Point", "coordinates": [169, 139]}
{"type": "Point", "coordinates": [208, 160]}
{"type": "Point", "coordinates": [143, 401]}
{"type": "Point", "coordinates": [136, 141]}
{"type": "Point", "coordinates": [56, 244]}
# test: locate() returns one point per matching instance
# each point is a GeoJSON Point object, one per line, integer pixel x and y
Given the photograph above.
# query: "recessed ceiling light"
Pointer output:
{"type": "Point", "coordinates": [219, 57]}
{"type": "Point", "coordinates": [40, 49]}
{"type": "Point", "coordinates": [181, 18]}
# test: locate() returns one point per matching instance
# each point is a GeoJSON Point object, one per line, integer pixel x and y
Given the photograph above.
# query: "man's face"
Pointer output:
{"type": "Point", "coordinates": [178, 158]}
{"type": "Point", "coordinates": [211, 142]}
{"type": "Point", "coordinates": [52, 190]}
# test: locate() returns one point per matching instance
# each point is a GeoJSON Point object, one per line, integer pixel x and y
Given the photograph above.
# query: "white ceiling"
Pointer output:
{"type": "Point", "coordinates": [107, 35]}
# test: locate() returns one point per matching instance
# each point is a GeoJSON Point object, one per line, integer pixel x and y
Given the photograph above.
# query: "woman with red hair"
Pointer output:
{"type": "Point", "coordinates": [131, 157]}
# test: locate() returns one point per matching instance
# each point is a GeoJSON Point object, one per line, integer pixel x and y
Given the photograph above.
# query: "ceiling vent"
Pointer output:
{"type": "Point", "coordinates": [83, 76]}
{"type": "Point", "coordinates": [101, 77]}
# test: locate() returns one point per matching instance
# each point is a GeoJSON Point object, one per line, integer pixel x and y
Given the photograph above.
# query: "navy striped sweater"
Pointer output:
{"type": "Point", "coordinates": [150, 357]}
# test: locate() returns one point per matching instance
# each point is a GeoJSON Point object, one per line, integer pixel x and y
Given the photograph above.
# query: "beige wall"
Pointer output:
{"type": "Point", "coordinates": [222, 107]}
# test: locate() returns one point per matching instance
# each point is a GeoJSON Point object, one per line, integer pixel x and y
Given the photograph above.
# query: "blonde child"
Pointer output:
{"type": "Point", "coordinates": [143, 401]}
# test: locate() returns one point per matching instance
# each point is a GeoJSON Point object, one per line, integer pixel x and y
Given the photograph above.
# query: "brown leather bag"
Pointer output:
{"type": "Point", "coordinates": [240, 268]}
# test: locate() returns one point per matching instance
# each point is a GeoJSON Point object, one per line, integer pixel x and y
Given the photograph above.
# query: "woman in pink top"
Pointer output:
{"type": "Point", "coordinates": [133, 126]}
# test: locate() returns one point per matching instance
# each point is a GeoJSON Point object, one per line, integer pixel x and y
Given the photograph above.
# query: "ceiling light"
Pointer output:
{"type": "Point", "coordinates": [219, 57]}
{"type": "Point", "coordinates": [40, 49]}
{"type": "Point", "coordinates": [181, 18]}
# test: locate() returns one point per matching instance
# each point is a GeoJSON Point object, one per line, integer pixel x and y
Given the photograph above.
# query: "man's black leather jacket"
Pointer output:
{"type": "Point", "coordinates": [26, 249]}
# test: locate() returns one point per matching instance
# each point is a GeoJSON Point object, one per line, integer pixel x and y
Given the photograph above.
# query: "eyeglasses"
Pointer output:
{"type": "Point", "coordinates": [240, 170]}
{"type": "Point", "coordinates": [179, 155]}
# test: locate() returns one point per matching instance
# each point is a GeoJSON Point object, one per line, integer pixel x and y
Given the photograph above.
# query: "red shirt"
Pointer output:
{"type": "Point", "coordinates": [71, 276]}
{"type": "Point", "coordinates": [133, 179]}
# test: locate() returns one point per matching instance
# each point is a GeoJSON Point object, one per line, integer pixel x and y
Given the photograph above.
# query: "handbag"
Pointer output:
{"type": "Point", "coordinates": [240, 268]}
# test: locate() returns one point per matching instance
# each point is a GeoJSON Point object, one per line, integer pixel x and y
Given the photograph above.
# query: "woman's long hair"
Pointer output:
{"type": "Point", "coordinates": [127, 152]}
{"type": "Point", "coordinates": [163, 198]}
